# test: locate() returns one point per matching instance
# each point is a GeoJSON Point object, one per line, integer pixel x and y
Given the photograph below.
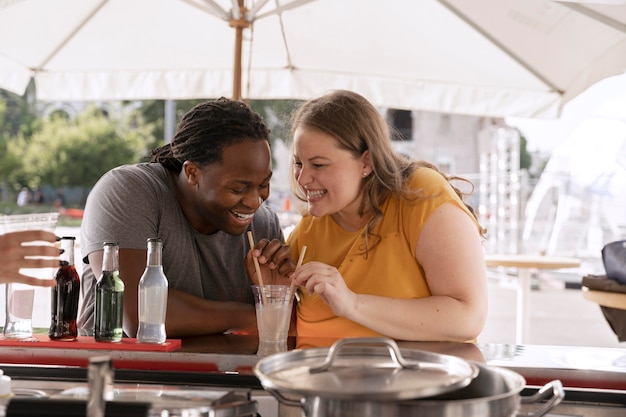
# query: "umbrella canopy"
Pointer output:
{"type": "Point", "coordinates": [479, 57]}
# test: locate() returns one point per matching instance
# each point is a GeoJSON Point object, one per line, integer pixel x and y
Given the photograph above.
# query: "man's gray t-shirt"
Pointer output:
{"type": "Point", "coordinates": [132, 203]}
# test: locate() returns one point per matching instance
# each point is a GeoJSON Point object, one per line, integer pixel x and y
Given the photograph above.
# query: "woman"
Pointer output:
{"type": "Point", "coordinates": [201, 194]}
{"type": "Point", "coordinates": [391, 248]}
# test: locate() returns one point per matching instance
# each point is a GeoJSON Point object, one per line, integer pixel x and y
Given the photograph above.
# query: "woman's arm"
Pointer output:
{"type": "Point", "coordinates": [451, 254]}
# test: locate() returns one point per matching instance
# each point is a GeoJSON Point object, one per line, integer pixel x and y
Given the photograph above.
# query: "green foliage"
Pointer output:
{"type": "Point", "coordinates": [15, 118]}
{"type": "Point", "coordinates": [153, 112]}
{"type": "Point", "coordinates": [525, 158]}
{"type": "Point", "coordinates": [76, 152]}
{"type": "Point", "coordinates": [15, 114]}
{"type": "Point", "coordinates": [12, 163]}
{"type": "Point", "coordinates": [63, 151]}
{"type": "Point", "coordinates": [277, 115]}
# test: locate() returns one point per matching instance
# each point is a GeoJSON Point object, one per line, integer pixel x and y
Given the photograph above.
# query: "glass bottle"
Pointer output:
{"type": "Point", "coordinates": [153, 296]}
{"type": "Point", "coordinates": [109, 309]}
{"type": "Point", "coordinates": [65, 295]}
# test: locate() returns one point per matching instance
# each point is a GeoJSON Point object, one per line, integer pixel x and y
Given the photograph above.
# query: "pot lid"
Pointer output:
{"type": "Point", "coordinates": [360, 368]}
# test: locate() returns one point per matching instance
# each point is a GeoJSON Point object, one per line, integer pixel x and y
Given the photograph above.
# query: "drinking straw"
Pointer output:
{"type": "Point", "coordinates": [300, 259]}
{"type": "Point", "coordinates": [257, 267]}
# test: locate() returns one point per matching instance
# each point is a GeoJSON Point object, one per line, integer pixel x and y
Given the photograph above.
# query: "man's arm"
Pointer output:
{"type": "Point", "coordinates": [187, 314]}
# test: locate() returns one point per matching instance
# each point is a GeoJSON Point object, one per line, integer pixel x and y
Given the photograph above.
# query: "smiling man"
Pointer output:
{"type": "Point", "coordinates": [200, 194]}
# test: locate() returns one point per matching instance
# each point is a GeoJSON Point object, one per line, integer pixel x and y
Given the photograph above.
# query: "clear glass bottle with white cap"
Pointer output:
{"type": "Point", "coordinates": [152, 303]}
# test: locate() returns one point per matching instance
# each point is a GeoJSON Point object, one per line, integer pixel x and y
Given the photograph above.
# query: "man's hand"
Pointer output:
{"type": "Point", "coordinates": [275, 262]}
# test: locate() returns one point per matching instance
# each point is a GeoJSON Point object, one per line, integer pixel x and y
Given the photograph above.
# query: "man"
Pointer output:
{"type": "Point", "coordinates": [200, 194]}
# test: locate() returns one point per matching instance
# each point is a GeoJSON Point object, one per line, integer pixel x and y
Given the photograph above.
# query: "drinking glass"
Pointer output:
{"type": "Point", "coordinates": [19, 297]}
{"type": "Point", "coordinates": [273, 305]}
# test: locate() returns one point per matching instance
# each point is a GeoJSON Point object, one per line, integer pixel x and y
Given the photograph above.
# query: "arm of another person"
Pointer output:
{"type": "Point", "coordinates": [18, 250]}
{"type": "Point", "coordinates": [450, 252]}
{"type": "Point", "coordinates": [187, 314]}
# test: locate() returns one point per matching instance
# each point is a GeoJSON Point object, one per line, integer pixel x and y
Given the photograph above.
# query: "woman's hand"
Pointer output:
{"type": "Point", "coordinates": [325, 280]}
{"type": "Point", "coordinates": [17, 251]}
{"type": "Point", "coordinates": [275, 262]}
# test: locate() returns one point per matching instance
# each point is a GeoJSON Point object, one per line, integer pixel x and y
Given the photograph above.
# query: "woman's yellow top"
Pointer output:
{"type": "Point", "coordinates": [388, 270]}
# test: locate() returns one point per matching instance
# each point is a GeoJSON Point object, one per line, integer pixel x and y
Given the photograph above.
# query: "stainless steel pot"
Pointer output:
{"type": "Point", "coordinates": [132, 399]}
{"type": "Point", "coordinates": [355, 386]}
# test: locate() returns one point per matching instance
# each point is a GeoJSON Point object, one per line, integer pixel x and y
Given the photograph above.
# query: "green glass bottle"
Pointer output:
{"type": "Point", "coordinates": [109, 308]}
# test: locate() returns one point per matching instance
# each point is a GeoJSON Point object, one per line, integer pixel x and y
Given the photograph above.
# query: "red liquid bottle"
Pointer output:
{"type": "Point", "coordinates": [65, 295]}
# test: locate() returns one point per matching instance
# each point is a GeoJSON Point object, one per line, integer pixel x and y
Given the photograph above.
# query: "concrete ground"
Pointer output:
{"type": "Point", "coordinates": [558, 315]}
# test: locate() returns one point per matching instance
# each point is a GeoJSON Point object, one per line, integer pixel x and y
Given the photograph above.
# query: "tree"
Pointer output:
{"type": "Point", "coordinates": [525, 158]}
{"type": "Point", "coordinates": [276, 114]}
{"type": "Point", "coordinates": [15, 117]}
{"type": "Point", "coordinates": [76, 152]}
{"type": "Point", "coordinates": [153, 112]}
{"type": "Point", "coordinates": [15, 114]}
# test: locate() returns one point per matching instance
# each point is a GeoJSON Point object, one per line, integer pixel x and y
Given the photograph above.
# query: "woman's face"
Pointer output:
{"type": "Point", "coordinates": [227, 194]}
{"type": "Point", "coordinates": [330, 176]}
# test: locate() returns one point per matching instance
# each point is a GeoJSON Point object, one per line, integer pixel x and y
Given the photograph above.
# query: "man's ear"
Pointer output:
{"type": "Point", "coordinates": [192, 172]}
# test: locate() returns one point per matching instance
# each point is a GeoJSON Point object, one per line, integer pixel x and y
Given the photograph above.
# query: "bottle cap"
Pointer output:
{"type": "Point", "coordinates": [5, 385]}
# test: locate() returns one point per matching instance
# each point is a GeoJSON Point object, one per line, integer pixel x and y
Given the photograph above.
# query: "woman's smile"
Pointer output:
{"type": "Point", "coordinates": [315, 195]}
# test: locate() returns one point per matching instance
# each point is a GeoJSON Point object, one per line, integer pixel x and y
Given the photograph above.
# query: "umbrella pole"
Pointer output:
{"type": "Point", "coordinates": [237, 64]}
{"type": "Point", "coordinates": [239, 22]}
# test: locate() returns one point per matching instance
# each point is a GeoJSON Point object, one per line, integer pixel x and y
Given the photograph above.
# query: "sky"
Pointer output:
{"type": "Point", "coordinates": [603, 105]}
{"type": "Point", "coordinates": [584, 180]}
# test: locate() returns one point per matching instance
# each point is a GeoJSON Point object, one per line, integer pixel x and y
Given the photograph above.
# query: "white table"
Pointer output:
{"type": "Point", "coordinates": [524, 265]}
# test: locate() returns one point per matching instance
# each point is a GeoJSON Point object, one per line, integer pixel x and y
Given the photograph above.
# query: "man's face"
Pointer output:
{"type": "Point", "coordinates": [228, 193]}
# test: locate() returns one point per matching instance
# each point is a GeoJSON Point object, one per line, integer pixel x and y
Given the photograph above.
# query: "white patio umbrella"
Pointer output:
{"type": "Point", "coordinates": [479, 57]}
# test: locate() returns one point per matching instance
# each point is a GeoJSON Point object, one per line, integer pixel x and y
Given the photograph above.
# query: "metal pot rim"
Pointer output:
{"type": "Point", "coordinates": [357, 369]}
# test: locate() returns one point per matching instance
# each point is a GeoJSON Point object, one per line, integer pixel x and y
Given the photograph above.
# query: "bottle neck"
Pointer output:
{"type": "Point", "coordinates": [155, 248]}
{"type": "Point", "coordinates": [67, 255]}
{"type": "Point", "coordinates": [110, 260]}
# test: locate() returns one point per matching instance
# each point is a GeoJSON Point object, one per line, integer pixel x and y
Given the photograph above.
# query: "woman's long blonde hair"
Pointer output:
{"type": "Point", "coordinates": [358, 127]}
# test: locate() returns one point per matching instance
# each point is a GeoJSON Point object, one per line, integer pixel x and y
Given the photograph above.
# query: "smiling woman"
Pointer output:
{"type": "Point", "coordinates": [392, 248]}
{"type": "Point", "coordinates": [199, 194]}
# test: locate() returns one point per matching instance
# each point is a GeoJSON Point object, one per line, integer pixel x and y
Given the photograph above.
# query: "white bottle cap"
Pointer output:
{"type": "Point", "coordinates": [5, 386]}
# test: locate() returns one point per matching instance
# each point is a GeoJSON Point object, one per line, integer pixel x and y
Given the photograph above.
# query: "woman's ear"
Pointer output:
{"type": "Point", "coordinates": [368, 166]}
{"type": "Point", "coordinates": [192, 172]}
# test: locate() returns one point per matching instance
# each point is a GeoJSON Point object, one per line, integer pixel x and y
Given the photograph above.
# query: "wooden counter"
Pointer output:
{"type": "Point", "coordinates": [605, 298]}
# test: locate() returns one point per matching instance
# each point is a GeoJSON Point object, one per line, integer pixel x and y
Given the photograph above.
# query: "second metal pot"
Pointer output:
{"type": "Point", "coordinates": [490, 392]}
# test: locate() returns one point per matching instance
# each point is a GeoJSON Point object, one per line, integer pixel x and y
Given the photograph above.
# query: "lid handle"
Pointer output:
{"type": "Point", "coordinates": [394, 352]}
